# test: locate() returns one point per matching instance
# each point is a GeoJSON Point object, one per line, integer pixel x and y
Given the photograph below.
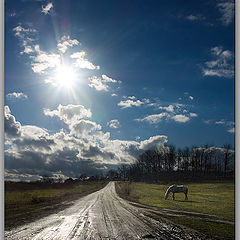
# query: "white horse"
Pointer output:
{"type": "Point", "coordinates": [176, 189]}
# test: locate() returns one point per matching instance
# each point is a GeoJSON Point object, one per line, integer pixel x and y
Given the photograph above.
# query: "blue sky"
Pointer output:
{"type": "Point", "coordinates": [91, 84]}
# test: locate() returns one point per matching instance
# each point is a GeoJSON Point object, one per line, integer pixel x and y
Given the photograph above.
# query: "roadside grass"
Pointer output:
{"type": "Point", "coordinates": [214, 198]}
{"type": "Point", "coordinates": [217, 230]}
{"type": "Point", "coordinates": [20, 203]}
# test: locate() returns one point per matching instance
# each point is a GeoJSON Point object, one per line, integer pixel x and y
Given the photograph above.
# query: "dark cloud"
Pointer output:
{"type": "Point", "coordinates": [85, 149]}
{"type": "Point", "coordinates": [12, 128]}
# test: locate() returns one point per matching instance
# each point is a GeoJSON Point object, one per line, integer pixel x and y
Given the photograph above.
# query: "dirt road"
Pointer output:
{"type": "Point", "coordinates": [101, 215]}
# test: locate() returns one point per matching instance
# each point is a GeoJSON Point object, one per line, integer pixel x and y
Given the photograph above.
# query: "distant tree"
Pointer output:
{"type": "Point", "coordinates": [112, 175]}
{"type": "Point", "coordinates": [179, 158]}
{"type": "Point", "coordinates": [226, 149]}
{"type": "Point", "coordinates": [47, 179]}
{"type": "Point", "coordinates": [186, 156]}
{"type": "Point", "coordinates": [171, 157]}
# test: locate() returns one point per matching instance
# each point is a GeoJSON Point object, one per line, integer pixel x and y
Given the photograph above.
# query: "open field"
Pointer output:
{"type": "Point", "coordinates": [208, 203]}
{"type": "Point", "coordinates": [25, 202]}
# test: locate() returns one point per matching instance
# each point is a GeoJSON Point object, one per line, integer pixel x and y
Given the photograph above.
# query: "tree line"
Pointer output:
{"type": "Point", "coordinates": [166, 163]}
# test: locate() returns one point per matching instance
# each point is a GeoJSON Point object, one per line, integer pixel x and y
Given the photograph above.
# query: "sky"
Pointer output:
{"type": "Point", "coordinates": [90, 85]}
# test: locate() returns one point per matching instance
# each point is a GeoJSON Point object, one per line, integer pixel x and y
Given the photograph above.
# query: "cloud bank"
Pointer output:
{"type": "Point", "coordinates": [82, 147]}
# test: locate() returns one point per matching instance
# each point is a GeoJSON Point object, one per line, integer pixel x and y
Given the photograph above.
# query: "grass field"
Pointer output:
{"type": "Point", "coordinates": [215, 198]}
{"type": "Point", "coordinates": [32, 200]}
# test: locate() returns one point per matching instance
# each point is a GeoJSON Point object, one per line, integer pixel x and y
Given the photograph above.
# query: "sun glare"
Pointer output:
{"type": "Point", "coordinates": [65, 76]}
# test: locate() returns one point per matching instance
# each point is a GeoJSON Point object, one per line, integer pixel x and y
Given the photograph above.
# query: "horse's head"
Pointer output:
{"type": "Point", "coordinates": [166, 194]}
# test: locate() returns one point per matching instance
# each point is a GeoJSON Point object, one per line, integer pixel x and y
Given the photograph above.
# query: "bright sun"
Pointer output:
{"type": "Point", "coordinates": [64, 76]}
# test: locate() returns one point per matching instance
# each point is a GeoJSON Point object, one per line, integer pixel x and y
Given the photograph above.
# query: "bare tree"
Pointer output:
{"type": "Point", "coordinates": [226, 148]}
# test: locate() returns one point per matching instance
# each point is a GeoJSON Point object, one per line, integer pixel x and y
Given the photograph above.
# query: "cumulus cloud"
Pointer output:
{"type": "Point", "coordinates": [69, 113]}
{"type": "Point", "coordinates": [222, 66]}
{"type": "Point", "coordinates": [108, 79]}
{"type": "Point", "coordinates": [176, 111]}
{"type": "Point", "coordinates": [16, 95]}
{"type": "Point", "coordinates": [130, 103]}
{"type": "Point", "coordinates": [101, 83]}
{"type": "Point", "coordinates": [47, 8]}
{"type": "Point", "coordinates": [82, 62]}
{"type": "Point", "coordinates": [84, 128]}
{"type": "Point", "coordinates": [98, 84]}
{"type": "Point", "coordinates": [43, 60]}
{"type": "Point", "coordinates": [152, 142]}
{"type": "Point", "coordinates": [66, 42]}
{"type": "Point", "coordinates": [181, 118]}
{"type": "Point", "coordinates": [226, 9]}
{"type": "Point", "coordinates": [12, 127]}
{"type": "Point", "coordinates": [113, 123]}
{"type": "Point", "coordinates": [34, 152]}
{"type": "Point", "coordinates": [169, 108]}
{"type": "Point", "coordinates": [114, 95]}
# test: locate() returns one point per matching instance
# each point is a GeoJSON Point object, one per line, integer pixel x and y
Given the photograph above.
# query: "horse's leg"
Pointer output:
{"type": "Point", "coordinates": [173, 196]}
{"type": "Point", "coordinates": [186, 198]}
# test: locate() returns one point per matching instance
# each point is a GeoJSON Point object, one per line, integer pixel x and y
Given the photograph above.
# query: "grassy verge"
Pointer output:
{"type": "Point", "coordinates": [215, 198]}
{"type": "Point", "coordinates": [26, 205]}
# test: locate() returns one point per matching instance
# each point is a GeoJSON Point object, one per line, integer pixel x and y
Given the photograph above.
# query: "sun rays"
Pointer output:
{"type": "Point", "coordinates": [64, 77]}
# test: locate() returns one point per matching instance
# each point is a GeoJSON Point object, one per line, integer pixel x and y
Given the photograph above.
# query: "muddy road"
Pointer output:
{"type": "Point", "coordinates": [101, 215]}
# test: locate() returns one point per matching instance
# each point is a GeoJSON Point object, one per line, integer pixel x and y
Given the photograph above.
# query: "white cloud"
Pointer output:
{"type": "Point", "coordinates": [42, 61]}
{"type": "Point", "coordinates": [33, 132]}
{"type": "Point", "coordinates": [226, 8]}
{"type": "Point", "coordinates": [27, 50]}
{"type": "Point", "coordinates": [222, 66]}
{"type": "Point", "coordinates": [152, 142]}
{"type": "Point", "coordinates": [113, 123]}
{"type": "Point", "coordinates": [193, 115]}
{"type": "Point", "coordinates": [231, 130]}
{"type": "Point", "coordinates": [181, 118]}
{"type": "Point", "coordinates": [66, 42]}
{"type": "Point", "coordinates": [97, 83]}
{"type": "Point", "coordinates": [191, 97]}
{"type": "Point", "coordinates": [84, 128]}
{"type": "Point", "coordinates": [47, 8]}
{"type": "Point", "coordinates": [12, 127]}
{"type": "Point", "coordinates": [82, 62]}
{"type": "Point", "coordinates": [108, 79]}
{"type": "Point", "coordinates": [70, 113]}
{"type": "Point", "coordinates": [16, 95]}
{"type": "Point", "coordinates": [176, 112]}
{"type": "Point", "coordinates": [101, 83]}
{"type": "Point", "coordinates": [130, 103]}
{"type": "Point", "coordinates": [221, 122]}
{"type": "Point", "coordinates": [26, 37]}
{"type": "Point", "coordinates": [20, 31]}
{"type": "Point", "coordinates": [132, 97]}
{"type": "Point", "coordinates": [114, 95]}
{"type": "Point", "coordinates": [154, 118]}
{"type": "Point", "coordinates": [197, 17]}
{"type": "Point", "coordinates": [227, 124]}
{"type": "Point", "coordinates": [169, 108]}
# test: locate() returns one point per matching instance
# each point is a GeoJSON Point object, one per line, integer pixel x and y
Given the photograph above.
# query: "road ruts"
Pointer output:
{"type": "Point", "coordinates": [101, 215]}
